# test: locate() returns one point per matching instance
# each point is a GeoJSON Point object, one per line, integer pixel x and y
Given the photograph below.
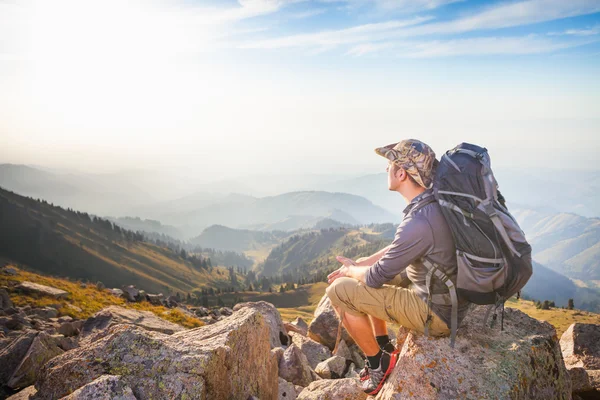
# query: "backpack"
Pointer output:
{"type": "Point", "coordinates": [492, 254]}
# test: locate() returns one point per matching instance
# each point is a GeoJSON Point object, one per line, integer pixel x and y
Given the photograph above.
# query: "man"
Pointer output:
{"type": "Point", "coordinates": [357, 289]}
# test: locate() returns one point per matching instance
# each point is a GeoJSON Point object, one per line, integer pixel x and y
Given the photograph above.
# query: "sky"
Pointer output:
{"type": "Point", "coordinates": [226, 88]}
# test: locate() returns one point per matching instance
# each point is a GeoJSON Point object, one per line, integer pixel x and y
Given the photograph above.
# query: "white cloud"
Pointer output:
{"type": "Point", "coordinates": [395, 5]}
{"type": "Point", "coordinates": [578, 32]}
{"type": "Point", "coordinates": [367, 48]}
{"type": "Point", "coordinates": [531, 44]}
{"type": "Point", "coordinates": [308, 13]}
{"type": "Point", "coordinates": [331, 39]}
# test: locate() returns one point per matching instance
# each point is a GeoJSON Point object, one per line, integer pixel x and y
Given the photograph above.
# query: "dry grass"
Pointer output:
{"type": "Point", "coordinates": [560, 318]}
{"type": "Point", "coordinates": [86, 297]}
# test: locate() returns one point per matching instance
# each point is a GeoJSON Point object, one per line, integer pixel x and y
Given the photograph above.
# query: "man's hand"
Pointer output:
{"type": "Point", "coordinates": [344, 270]}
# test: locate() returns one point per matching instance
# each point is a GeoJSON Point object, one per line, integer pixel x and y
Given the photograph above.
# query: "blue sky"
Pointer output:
{"type": "Point", "coordinates": [309, 86]}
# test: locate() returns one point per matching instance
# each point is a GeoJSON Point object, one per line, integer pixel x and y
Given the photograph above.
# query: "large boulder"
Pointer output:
{"type": "Point", "coordinates": [333, 389]}
{"type": "Point", "coordinates": [97, 325]}
{"type": "Point", "coordinates": [13, 352]}
{"type": "Point", "coordinates": [131, 293]}
{"type": "Point", "coordinates": [580, 345]}
{"type": "Point", "coordinates": [229, 359]}
{"type": "Point", "coordinates": [42, 290]}
{"type": "Point", "coordinates": [332, 368]}
{"type": "Point", "coordinates": [522, 362]}
{"type": "Point", "coordinates": [324, 327]}
{"type": "Point", "coordinates": [43, 348]}
{"type": "Point", "coordinates": [106, 387]}
{"type": "Point", "coordinates": [5, 301]}
{"type": "Point", "coordinates": [287, 391]}
{"type": "Point", "coordinates": [315, 352]}
{"type": "Point", "coordinates": [277, 333]}
{"type": "Point", "coordinates": [293, 367]}
{"type": "Point", "coordinates": [23, 394]}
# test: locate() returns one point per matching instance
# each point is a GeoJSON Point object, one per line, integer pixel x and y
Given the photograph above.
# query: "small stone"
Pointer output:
{"type": "Point", "coordinates": [332, 368]}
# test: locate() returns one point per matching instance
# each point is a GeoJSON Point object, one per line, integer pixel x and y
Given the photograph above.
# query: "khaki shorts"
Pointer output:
{"type": "Point", "coordinates": [389, 303]}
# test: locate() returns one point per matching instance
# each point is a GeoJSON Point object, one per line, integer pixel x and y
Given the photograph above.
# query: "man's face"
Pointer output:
{"type": "Point", "coordinates": [394, 174]}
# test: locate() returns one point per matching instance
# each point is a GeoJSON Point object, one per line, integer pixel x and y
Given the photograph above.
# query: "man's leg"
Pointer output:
{"type": "Point", "coordinates": [379, 326]}
{"type": "Point", "coordinates": [359, 327]}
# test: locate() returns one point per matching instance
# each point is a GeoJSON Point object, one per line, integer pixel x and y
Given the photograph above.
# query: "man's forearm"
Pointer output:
{"type": "Point", "coordinates": [372, 259]}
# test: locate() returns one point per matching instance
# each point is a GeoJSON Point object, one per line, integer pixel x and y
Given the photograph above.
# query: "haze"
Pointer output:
{"type": "Point", "coordinates": [222, 89]}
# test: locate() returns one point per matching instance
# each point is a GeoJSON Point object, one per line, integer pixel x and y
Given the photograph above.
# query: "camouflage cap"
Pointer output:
{"type": "Point", "coordinates": [417, 159]}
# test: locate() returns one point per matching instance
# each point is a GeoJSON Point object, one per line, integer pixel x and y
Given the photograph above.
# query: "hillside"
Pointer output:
{"type": "Point", "coordinates": [223, 238]}
{"type": "Point", "coordinates": [567, 243]}
{"type": "Point", "coordinates": [303, 255]}
{"type": "Point", "coordinates": [62, 242]}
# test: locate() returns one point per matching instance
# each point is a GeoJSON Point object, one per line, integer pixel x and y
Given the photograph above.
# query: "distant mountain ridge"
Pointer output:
{"type": "Point", "coordinates": [567, 243]}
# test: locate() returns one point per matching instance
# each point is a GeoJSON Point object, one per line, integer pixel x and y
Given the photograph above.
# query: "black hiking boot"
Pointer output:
{"type": "Point", "coordinates": [363, 374]}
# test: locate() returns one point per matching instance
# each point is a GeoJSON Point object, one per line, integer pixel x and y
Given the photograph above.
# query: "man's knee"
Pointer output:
{"type": "Point", "coordinates": [340, 291]}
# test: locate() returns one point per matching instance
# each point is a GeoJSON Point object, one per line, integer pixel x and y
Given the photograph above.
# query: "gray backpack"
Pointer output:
{"type": "Point", "coordinates": [493, 256]}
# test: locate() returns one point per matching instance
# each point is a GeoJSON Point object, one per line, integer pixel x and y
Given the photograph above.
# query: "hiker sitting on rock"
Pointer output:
{"type": "Point", "coordinates": [365, 294]}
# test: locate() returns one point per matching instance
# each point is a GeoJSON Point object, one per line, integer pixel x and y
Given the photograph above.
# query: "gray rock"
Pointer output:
{"type": "Point", "coordinates": [332, 368]}
{"type": "Point", "coordinates": [130, 293]}
{"type": "Point", "coordinates": [5, 301]}
{"type": "Point", "coordinates": [522, 362]}
{"type": "Point", "coordinates": [13, 352]}
{"type": "Point", "coordinates": [45, 312]}
{"type": "Point", "coordinates": [580, 345]}
{"type": "Point", "coordinates": [209, 362]}
{"type": "Point", "coordinates": [10, 271]}
{"type": "Point", "coordinates": [352, 372]}
{"type": "Point", "coordinates": [105, 387]}
{"type": "Point", "coordinates": [343, 350]}
{"type": "Point", "coordinates": [333, 389]}
{"type": "Point", "coordinates": [116, 292]}
{"type": "Point", "coordinates": [42, 290]}
{"type": "Point", "coordinates": [301, 324]}
{"type": "Point", "coordinates": [315, 352]}
{"type": "Point", "coordinates": [278, 353]}
{"type": "Point", "coordinates": [96, 326]}
{"type": "Point", "coordinates": [23, 394]}
{"type": "Point", "coordinates": [43, 348]}
{"type": "Point", "coordinates": [287, 391]}
{"type": "Point", "coordinates": [67, 329]}
{"type": "Point", "coordinates": [65, 318]}
{"type": "Point", "coordinates": [278, 335]}
{"type": "Point", "coordinates": [100, 285]}
{"type": "Point", "coordinates": [294, 367]}
{"type": "Point", "coordinates": [324, 326]}
{"type": "Point", "coordinates": [225, 311]}
{"type": "Point", "coordinates": [155, 299]}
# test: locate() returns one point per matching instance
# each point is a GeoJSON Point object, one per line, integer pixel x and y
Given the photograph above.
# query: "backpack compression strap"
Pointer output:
{"type": "Point", "coordinates": [434, 270]}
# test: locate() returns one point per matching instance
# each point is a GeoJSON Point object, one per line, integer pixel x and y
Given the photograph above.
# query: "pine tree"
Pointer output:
{"type": "Point", "coordinates": [571, 304]}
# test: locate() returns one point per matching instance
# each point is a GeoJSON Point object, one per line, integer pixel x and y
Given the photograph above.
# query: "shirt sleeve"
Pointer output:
{"type": "Point", "coordinates": [413, 240]}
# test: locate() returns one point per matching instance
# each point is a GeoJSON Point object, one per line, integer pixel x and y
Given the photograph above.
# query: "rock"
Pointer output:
{"type": "Point", "coordinates": [278, 353]}
{"type": "Point", "coordinates": [209, 362]}
{"type": "Point", "coordinates": [225, 311]}
{"type": "Point", "coordinates": [43, 348]}
{"type": "Point", "coordinates": [45, 312]}
{"type": "Point", "coordinates": [357, 356]}
{"type": "Point", "coordinates": [10, 271]}
{"type": "Point", "coordinates": [202, 312]}
{"type": "Point", "coordinates": [298, 389]}
{"type": "Point", "coordinates": [352, 372]}
{"type": "Point", "coordinates": [172, 301]}
{"type": "Point", "coordinates": [106, 387]}
{"type": "Point", "coordinates": [314, 352]}
{"type": "Point", "coordinates": [100, 285]}
{"type": "Point", "coordinates": [287, 391]}
{"type": "Point", "coordinates": [65, 318]}
{"type": "Point", "coordinates": [294, 367]}
{"type": "Point", "coordinates": [23, 394]}
{"type": "Point", "coordinates": [333, 389]}
{"type": "Point", "coordinates": [13, 353]}
{"type": "Point", "coordinates": [343, 350]}
{"type": "Point", "coordinates": [96, 325]}
{"type": "Point", "coordinates": [524, 362]}
{"type": "Point", "coordinates": [332, 368]}
{"type": "Point", "coordinates": [155, 299]}
{"type": "Point", "coordinates": [67, 343]}
{"type": "Point", "coordinates": [301, 324]}
{"type": "Point", "coordinates": [116, 292]}
{"type": "Point", "coordinates": [5, 301]}
{"type": "Point", "coordinates": [324, 326]}
{"type": "Point", "coordinates": [289, 328]}
{"type": "Point", "coordinates": [42, 290]}
{"type": "Point", "coordinates": [68, 329]}
{"type": "Point", "coordinates": [278, 335]}
{"type": "Point", "coordinates": [580, 345]}
{"type": "Point", "coordinates": [130, 293]}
